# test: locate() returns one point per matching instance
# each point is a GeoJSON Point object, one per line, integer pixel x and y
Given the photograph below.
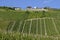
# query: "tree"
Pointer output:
{"type": "Point", "coordinates": [29, 7]}
{"type": "Point", "coordinates": [46, 7]}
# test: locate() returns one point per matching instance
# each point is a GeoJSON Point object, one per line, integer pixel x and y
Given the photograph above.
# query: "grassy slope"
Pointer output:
{"type": "Point", "coordinates": [11, 15]}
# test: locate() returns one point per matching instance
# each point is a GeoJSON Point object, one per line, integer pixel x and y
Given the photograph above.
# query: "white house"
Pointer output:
{"type": "Point", "coordinates": [36, 9]}
{"type": "Point", "coordinates": [17, 8]}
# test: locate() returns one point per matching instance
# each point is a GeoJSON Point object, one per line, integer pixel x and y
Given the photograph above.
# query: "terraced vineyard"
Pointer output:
{"type": "Point", "coordinates": [41, 27]}
{"type": "Point", "coordinates": [32, 26]}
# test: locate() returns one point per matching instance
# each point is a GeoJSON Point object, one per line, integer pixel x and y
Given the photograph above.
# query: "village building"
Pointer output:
{"type": "Point", "coordinates": [36, 9]}
{"type": "Point", "coordinates": [17, 8]}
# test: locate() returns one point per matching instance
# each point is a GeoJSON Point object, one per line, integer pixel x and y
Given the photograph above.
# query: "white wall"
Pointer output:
{"type": "Point", "coordinates": [37, 9]}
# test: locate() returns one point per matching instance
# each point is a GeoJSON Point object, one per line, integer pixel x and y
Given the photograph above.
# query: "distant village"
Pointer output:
{"type": "Point", "coordinates": [36, 9]}
{"type": "Point", "coordinates": [33, 9]}
{"type": "Point", "coordinates": [29, 8]}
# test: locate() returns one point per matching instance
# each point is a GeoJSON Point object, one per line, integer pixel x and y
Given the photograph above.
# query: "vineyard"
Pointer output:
{"type": "Point", "coordinates": [41, 27]}
{"type": "Point", "coordinates": [30, 26]}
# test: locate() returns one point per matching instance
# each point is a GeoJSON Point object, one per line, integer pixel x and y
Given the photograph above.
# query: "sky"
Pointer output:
{"type": "Point", "coordinates": [34, 3]}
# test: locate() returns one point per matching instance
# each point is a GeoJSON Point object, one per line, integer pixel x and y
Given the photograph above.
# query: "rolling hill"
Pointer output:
{"type": "Point", "coordinates": [29, 25]}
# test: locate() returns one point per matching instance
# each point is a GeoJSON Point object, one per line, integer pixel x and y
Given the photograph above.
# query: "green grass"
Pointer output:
{"type": "Point", "coordinates": [50, 29]}
{"type": "Point", "coordinates": [37, 31]}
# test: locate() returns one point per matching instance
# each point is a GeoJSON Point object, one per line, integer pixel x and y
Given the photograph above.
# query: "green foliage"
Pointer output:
{"type": "Point", "coordinates": [8, 17]}
{"type": "Point", "coordinates": [18, 36]}
{"type": "Point", "coordinates": [4, 7]}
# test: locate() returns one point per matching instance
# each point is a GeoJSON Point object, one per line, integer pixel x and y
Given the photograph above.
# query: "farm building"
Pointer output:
{"type": "Point", "coordinates": [36, 9]}
{"type": "Point", "coordinates": [17, 8]}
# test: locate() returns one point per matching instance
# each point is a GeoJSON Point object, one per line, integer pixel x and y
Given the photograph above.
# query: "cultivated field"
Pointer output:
{"type": "Point", "coordinates": [37, 27]}
{"type": "Point", "coordinates": [29, 25]}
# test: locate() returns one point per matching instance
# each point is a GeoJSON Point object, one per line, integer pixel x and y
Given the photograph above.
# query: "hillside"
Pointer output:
{"type": "Point", "coordinates": [29, 25]}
